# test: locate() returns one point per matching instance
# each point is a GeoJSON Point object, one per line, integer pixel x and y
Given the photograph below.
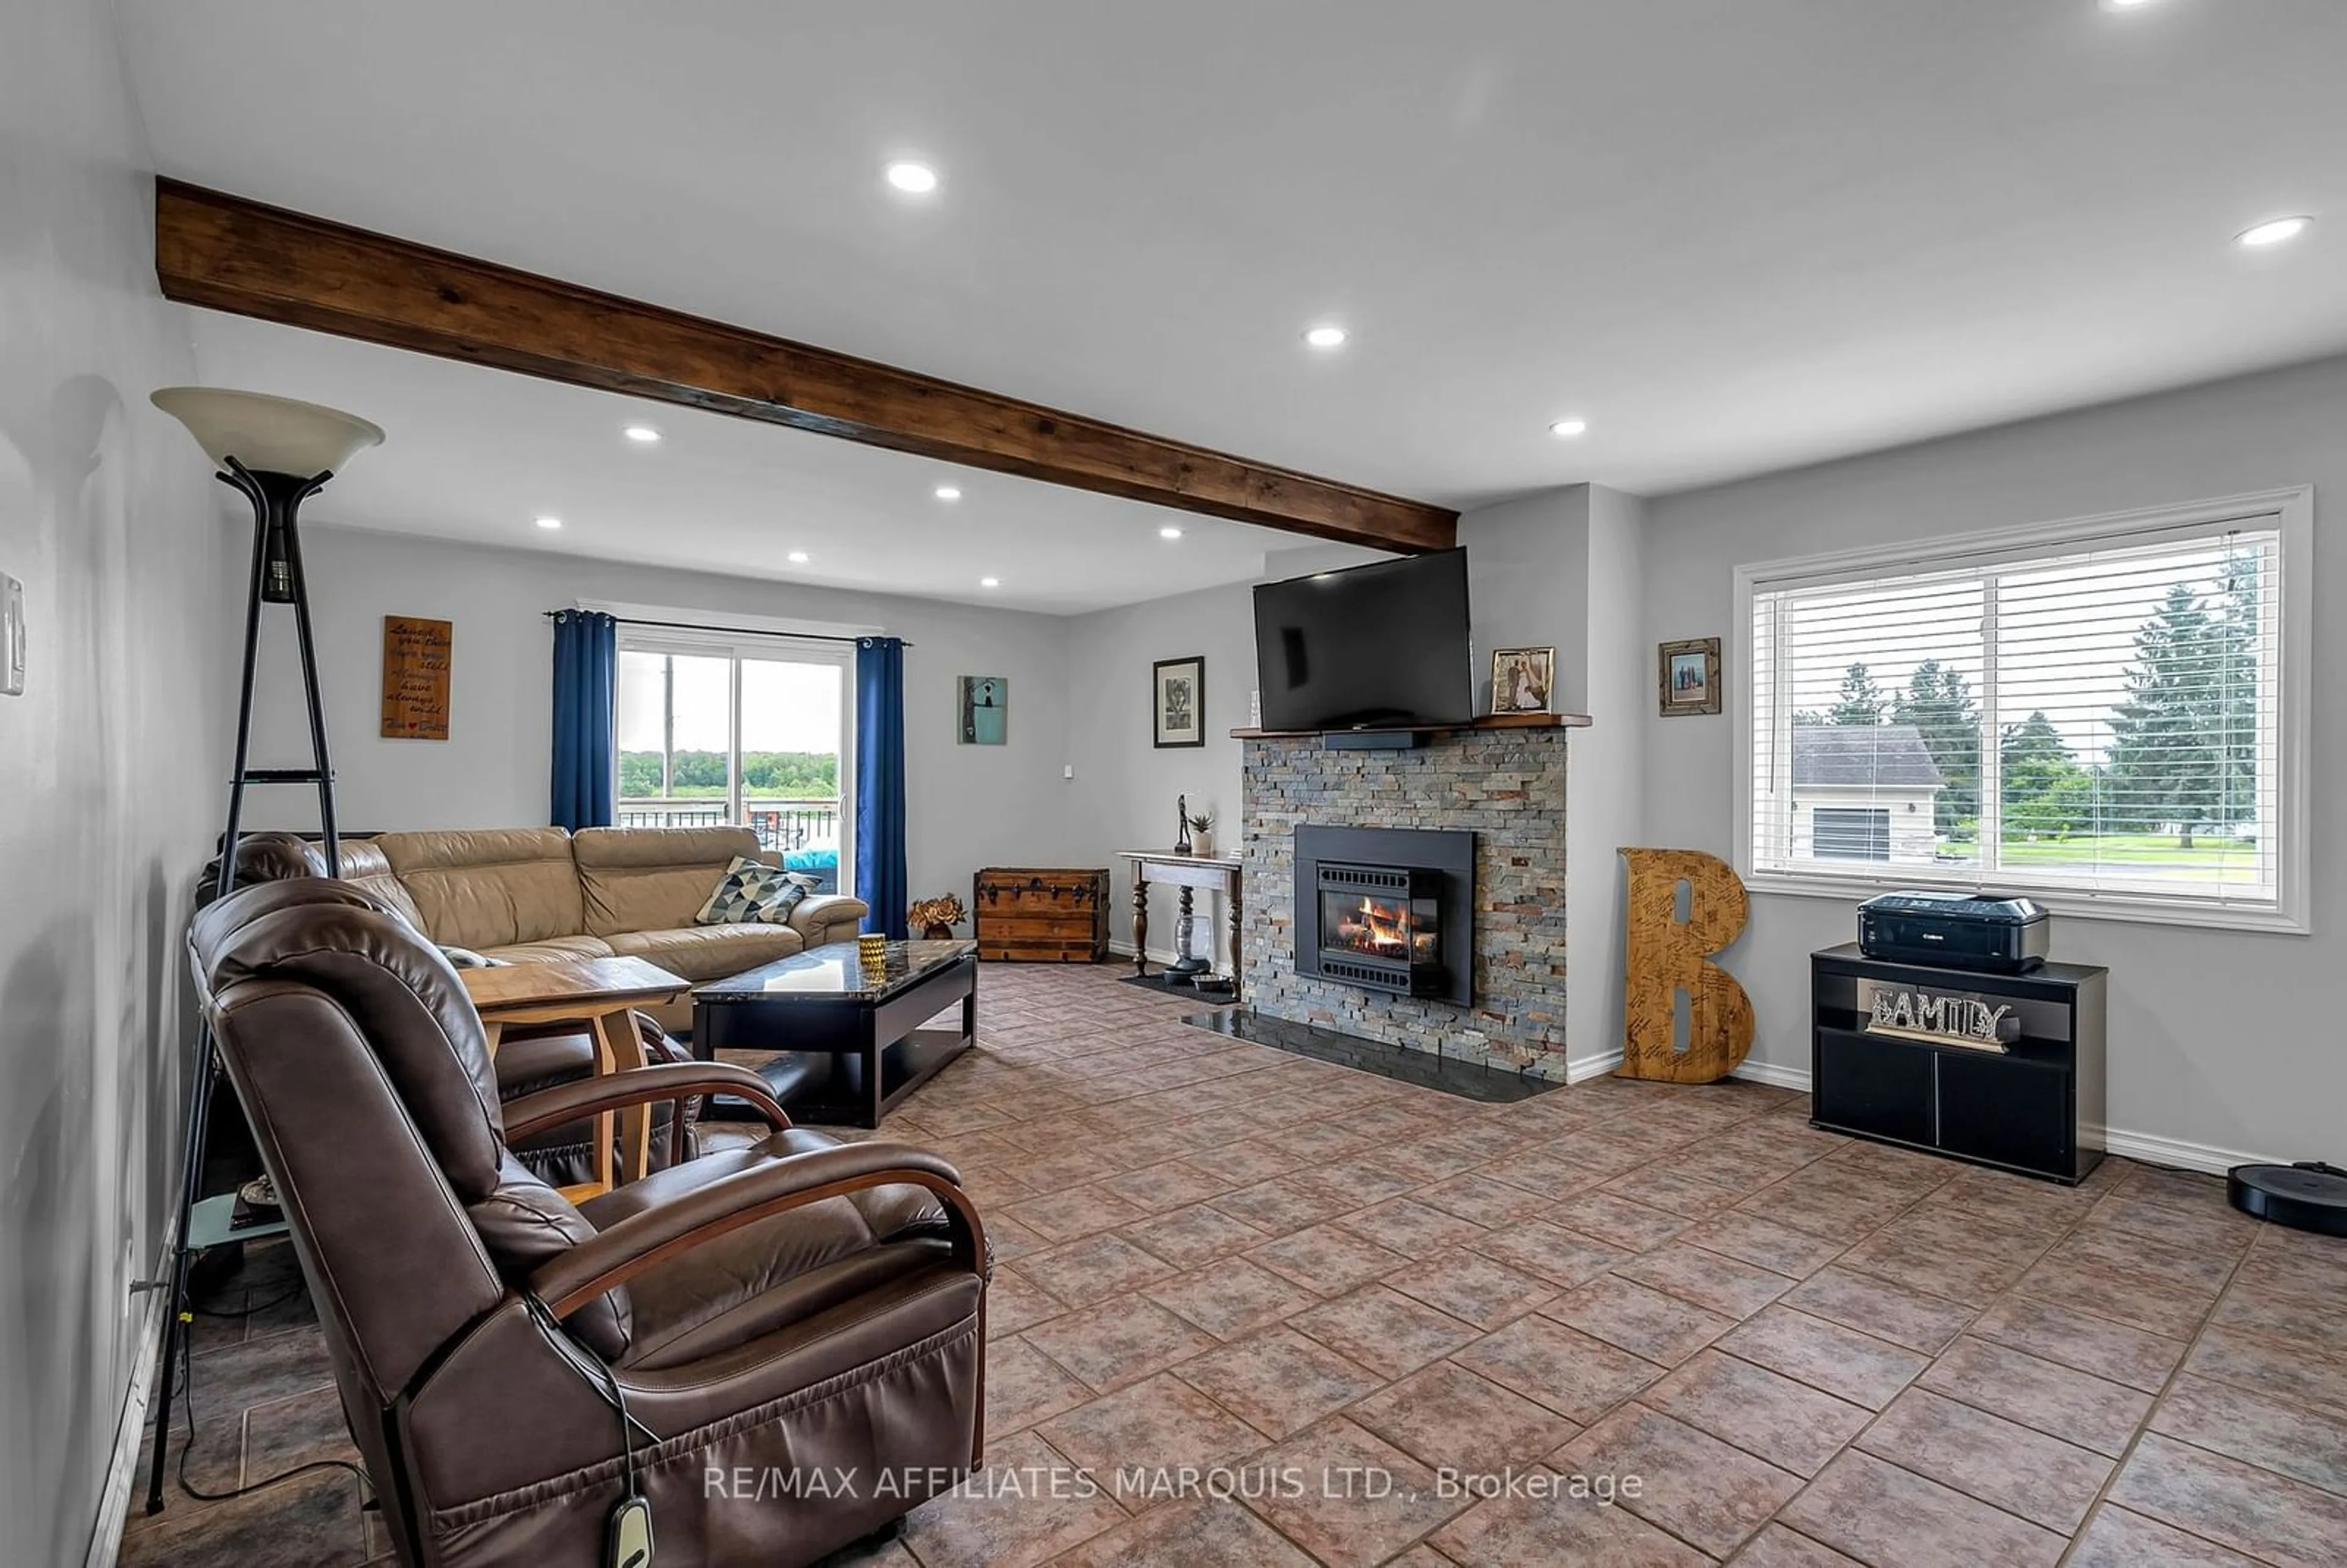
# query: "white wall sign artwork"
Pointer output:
{"type": "Point", "coordinates": [1942, 1018]}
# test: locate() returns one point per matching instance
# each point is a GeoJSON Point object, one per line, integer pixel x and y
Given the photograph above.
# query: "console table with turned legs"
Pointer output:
{"type": "Point", "coordinates": [1186, 873]}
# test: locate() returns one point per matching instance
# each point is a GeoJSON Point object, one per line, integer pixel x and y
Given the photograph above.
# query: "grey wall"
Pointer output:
{"type": "Point", "coordinates": [1608, 773]}
{"type": "Point", "coordinates": [1528, 577]}
{"type": "Point", "coordinates": [2221, 1038]}
{"type": "Point", "coordinates": [968, 806]}
{"type": "Point", "coordinates": [1562, 569]}
{"type": "Point", "coordinates": [1124, 786]}
{"type": "Point", "coordinates": [109, 763]}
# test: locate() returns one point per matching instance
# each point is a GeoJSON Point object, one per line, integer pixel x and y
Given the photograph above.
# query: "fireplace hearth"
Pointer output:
{"type": "Point", "coordinates": [1387, 909]}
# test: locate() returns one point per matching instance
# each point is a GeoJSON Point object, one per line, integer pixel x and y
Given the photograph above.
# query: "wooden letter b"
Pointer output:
{"type": "Point", "coordinates": [1665, 955]}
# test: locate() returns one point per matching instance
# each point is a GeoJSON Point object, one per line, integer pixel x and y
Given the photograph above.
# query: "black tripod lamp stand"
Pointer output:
{"type": "Point", "coordinates": [275, 453]}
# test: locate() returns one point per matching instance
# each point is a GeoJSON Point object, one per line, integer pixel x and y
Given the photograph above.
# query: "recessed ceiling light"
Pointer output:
{"type": "Point", "coordinates": [1169, 532]}
{"type": "Point", "coordinates": [1570, 427]}
{"type": "Point", "coordinates": [798, 558]}
{"type": "Point", "coordinates": [2125, 5]}
{"type": "Point", "coordinates": [990, 583]}
{"type": "Point", "coordinates": [642, 432]}
{"type": "Point", "coordinates": [1328, 336]}
{"type": "Point", "coordinates": [913, 178]}
{"type": "Point", "coordinates": [549, 522]}
{"type": "Point", "coordinates": [2272, 232]}
{"type": "Point", "coordinates": [948, 492]}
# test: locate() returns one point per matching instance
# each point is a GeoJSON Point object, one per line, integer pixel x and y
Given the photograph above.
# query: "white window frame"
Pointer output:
{"type": "Point", "coordinates": [2290, 511]}
{"type": "Point", "coordinates": [735, 646]}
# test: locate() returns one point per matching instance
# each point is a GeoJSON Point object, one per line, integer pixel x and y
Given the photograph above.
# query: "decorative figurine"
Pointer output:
{"type": "Point", "coordinates": [1181, 816]}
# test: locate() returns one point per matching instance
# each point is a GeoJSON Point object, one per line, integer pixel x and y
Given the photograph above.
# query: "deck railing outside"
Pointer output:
{"type": "Point", "coordinates": [780, 825]}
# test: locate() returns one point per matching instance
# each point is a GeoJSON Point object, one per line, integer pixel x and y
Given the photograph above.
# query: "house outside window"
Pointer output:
{"type": "Point", "coordinates": [1864, 794]}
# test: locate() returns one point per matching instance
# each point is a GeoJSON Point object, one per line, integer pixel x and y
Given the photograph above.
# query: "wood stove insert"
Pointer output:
{"type": "Point", "coordinates": [1387, 909]}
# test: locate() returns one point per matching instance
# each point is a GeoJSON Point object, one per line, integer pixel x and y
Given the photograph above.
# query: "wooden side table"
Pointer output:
{"type": "Point", "coordinates": [1188, 873]}
{"type": "Point", "coordinates": [599, 993]}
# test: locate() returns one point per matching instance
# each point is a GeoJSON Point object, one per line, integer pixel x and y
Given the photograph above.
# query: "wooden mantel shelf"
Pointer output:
{"type": "Point", "coordinates": [1488, 721]}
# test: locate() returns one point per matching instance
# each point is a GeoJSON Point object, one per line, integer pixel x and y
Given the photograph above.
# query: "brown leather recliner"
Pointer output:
{"type": "Point", "coordinates": [764, 1314]}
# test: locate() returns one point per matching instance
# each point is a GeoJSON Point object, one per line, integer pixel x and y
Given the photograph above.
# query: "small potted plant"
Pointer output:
{"type": "Point", "coordinates": [935, 919]}
{"type": "Point", "coordinates": [1202, 833]}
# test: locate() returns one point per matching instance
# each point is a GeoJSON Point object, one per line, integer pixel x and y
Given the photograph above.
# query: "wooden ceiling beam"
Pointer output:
{"type": "Point", "coordinates": [227, 254]}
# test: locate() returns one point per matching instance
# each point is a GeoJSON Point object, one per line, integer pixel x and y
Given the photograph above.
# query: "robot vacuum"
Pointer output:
{"type": "Point", "coordinates": [2307, 1196]}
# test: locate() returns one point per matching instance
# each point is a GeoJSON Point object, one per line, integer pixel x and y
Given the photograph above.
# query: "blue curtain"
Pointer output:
{"type": "Point", "coordinates": [880, 880]}
{"type": "Point", "coordinates": [586, 667]}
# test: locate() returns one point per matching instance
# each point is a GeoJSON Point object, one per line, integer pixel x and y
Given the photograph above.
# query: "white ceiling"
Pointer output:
{"type": "Point", "coordinates": [480, 454]}
{"type": "Point", "coordinates": [1735, 234]}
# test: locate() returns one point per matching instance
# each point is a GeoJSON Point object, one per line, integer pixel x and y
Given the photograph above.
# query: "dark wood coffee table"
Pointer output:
{"type": "Point", "coordinates": [820, 1002]}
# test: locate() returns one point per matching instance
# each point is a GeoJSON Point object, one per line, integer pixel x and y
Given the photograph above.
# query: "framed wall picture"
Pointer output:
{"type": "Point", "coordinates": [1523, 680]}
{"type": "Point", "coordinates": [415, 660]}
{"type": "Point", "coordinates": [982, 711]}
{"type": "Point", "coordinates": [1689, 672]}
{"type": "Point", "coordinates": [1177, 696]}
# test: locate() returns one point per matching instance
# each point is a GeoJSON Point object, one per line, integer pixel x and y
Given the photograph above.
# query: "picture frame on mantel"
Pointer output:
{"type": "Point", "coordinates": [1688, 673]}
{"type": "Point", "coordinates": [1523, 680]}
{"type": "Point", "coordinates": [1177, 703]}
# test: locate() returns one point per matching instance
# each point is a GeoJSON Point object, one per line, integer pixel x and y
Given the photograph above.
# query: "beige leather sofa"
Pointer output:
{"type": "Point", "coordinates": [532, 894]}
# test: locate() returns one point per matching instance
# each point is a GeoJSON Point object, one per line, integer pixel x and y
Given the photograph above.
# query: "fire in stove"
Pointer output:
{"type": "Point", "coordinates": [1384, 929]}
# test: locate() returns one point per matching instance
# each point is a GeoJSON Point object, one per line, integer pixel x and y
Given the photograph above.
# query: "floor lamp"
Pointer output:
{"type": "Point", "coordinates": [275, 453]}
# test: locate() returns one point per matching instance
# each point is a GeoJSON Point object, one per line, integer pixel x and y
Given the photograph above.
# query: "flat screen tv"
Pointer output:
{"type": "Point", "coordinates": [1374, 648]}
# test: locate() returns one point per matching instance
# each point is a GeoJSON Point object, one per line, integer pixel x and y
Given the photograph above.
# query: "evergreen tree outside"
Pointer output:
{"type": "Point", "coordinates": [2034, 740]}
{"type": "Point", "coordinates": [2184, 748]}
{"type": "Point", "coordinates": [1939, 703]}
{"type": "Point", "coordinates": [2043, 792]}
{"type": "Point", "coordinates": [2237, 683]}
{"type": "Point", "coordinates": [1860, 699]}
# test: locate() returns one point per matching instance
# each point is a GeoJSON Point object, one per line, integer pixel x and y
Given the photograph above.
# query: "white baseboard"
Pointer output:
{"type": "Point", "coordinates": [130, 1447]}
{"type": "Point", "coordinates": [1123, 948]}
{"type": "Point", "coordinates": [1591, 1067]}
{"type": "Point", "coordinates": [2150, 1147]}
{"type": "Point", "coordinates": [2153, 1150]}
{"type": "Point", "coordinates": [1776, 1077]}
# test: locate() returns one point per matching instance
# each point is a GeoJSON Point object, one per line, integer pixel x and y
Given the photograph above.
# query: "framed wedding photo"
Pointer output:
{"type": "Point", "coordinates": [1523, 680]}
{"type": "Point", "coordinates": [1690, 676]}
{"type": "Point", "coordinates": [1177, 694]}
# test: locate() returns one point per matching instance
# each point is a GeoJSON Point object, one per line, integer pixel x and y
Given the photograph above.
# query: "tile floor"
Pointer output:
{"type": "Point", "coordinates": [1801, 1349]}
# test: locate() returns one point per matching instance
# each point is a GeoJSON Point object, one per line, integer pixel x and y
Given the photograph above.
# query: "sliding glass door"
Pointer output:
{"type": "Point", "coordinates": [754, 733]}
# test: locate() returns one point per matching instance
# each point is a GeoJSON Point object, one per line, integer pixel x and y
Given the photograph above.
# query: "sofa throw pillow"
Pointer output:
{"type": "Point", "coordinates": [752, 891]}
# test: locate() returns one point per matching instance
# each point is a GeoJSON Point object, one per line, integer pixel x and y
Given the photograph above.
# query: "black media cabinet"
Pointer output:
{"type": "Point", "coordinates": [2037, 1109]}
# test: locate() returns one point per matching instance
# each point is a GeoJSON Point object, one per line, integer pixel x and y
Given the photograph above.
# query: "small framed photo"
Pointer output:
{"type": "Point", "coordinates": [984, 711]}
{"type": "Point", "coordinates": [1523, 680]}
{"type": "Point", "coordinates": [1177, 694]}
{"type": "Point", "coordinates": [1690, 676]}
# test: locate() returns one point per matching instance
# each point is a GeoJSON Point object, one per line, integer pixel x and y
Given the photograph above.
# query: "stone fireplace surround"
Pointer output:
{"type": "Point", "coordinates": [1505, 787]}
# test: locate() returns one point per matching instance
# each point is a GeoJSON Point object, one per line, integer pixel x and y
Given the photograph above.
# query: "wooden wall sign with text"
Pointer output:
{"type": "Point", "coordinates": [416, 678]}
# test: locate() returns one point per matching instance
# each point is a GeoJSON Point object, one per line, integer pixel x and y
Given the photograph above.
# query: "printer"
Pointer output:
{"type": "Point", "coordinates": [1995, 932]}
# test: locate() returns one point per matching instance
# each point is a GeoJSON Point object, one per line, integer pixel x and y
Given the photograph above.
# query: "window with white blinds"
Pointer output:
{"type": "Point", "coordinates": [2097, 714]}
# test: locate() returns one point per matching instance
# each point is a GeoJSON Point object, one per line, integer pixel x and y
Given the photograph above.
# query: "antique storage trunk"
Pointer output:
{"type": "Point", "coordinates": [1041, 914]}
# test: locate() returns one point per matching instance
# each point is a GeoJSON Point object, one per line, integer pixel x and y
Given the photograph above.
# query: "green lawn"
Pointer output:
{"type": "Point", "coordinates": [2157, 853]}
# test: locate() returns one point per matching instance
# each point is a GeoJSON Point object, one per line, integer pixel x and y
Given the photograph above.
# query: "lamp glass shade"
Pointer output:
{"type": "Point", "coordinates": [268, 434]}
